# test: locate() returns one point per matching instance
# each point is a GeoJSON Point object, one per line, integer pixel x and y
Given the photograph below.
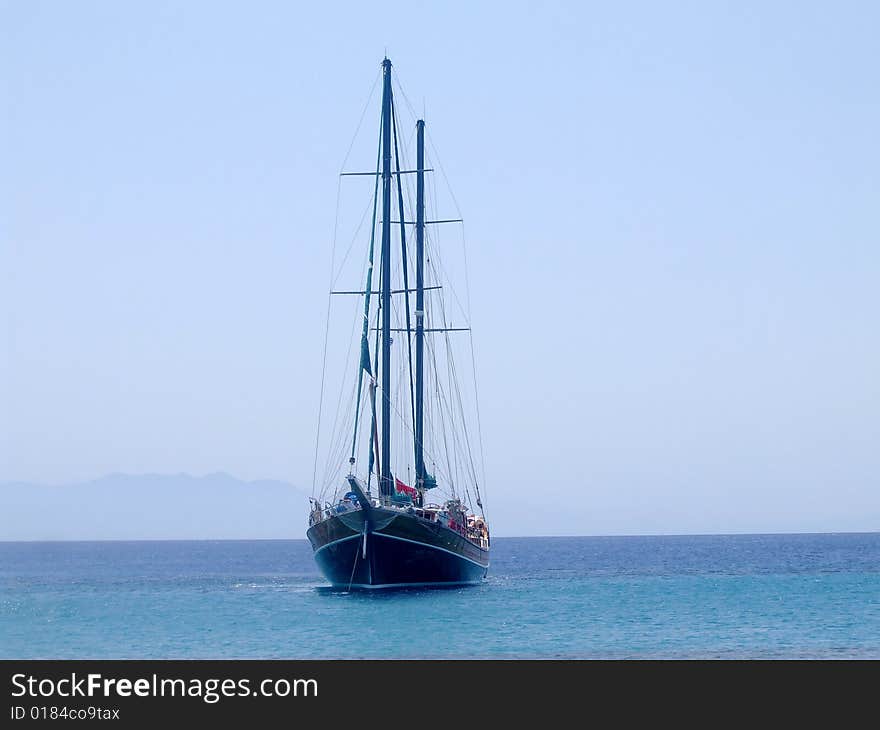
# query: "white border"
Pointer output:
{"type": "Point", "coordinates": [403, 539]}
{"type": "Point", "coordinates": [432, 584]}
{"type": "Point", "coordinates": [434, 547]}
{"type": "Point", "coordinates": [341, 539]}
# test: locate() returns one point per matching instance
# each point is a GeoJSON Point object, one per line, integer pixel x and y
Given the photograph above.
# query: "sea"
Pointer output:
{"type": "Point", "coordinates": [672, 597]}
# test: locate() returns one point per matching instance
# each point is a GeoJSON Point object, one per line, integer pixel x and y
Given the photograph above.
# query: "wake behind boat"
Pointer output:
{"type": "Point", "coordinates": [373, 530]}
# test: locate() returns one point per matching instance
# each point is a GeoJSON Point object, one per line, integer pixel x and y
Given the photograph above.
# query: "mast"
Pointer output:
{"type": "Point", "coordinates": [386, 483]}
{"type": "Point", "coordinates": [420, 306]}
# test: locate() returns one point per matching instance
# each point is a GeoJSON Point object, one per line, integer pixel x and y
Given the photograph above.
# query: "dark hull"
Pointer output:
{"type": "Point", "coordinates": [399, 550]}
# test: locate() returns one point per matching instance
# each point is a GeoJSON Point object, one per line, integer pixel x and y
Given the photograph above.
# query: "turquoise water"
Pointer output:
{"type": "Point", "coordinates": [752, 596]}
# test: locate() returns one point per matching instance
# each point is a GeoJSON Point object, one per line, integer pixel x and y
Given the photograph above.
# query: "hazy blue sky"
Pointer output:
{"type": "Point", "coordinates": [672, 212]}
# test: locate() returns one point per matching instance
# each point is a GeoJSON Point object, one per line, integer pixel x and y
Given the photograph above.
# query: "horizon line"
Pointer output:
{"type": "Point", "coordinates": [502, 537]}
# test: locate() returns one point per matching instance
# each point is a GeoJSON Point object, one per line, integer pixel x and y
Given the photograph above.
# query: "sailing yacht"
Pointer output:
{"type": "Point", "coordinates": [368, 527]}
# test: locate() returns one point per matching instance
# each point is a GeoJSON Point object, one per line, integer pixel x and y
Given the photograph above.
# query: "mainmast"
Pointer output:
{"type": "Point", "coordinates": [420, 306]}
{"type": "Point", "coordinates": [386, 481]}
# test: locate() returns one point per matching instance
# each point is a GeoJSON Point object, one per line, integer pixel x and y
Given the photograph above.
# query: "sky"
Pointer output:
{"type": "Point", "coordinates": [672, 229]}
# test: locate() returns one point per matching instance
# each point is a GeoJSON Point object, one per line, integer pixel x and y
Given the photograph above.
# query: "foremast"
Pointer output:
{"type": "Point", "coordinates": [386, 480]}
{"type": "Point", "coordinates": [380, 447]}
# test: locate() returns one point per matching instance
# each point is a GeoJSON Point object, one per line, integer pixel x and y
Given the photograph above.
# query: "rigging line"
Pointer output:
{"type": "Point", "coordinates": [410, 183]}
{"type": "Point", "coordinates": [465, 312]}
{"type": "Point", "coordinates": [403, 426]}
{"type": "Point", "coordinates": [367, 290]}
{"type": "Point", "coordinates": [361, 404]}
{"type": "Point", "coordinates": [338, 439]}
{"type": "Point", "coordinates": [361, 120]}
{"type": "Point", "coordinates": [337, 432]}
{"type": "Point", "coordinates": [337, 447]}
{"type": "Point", "coordinates": [468, 317]}
{"type": "Point", "coordinates": [453, 380]}
{"type": "Point", "coordinates": [405, 262]}
{"type": "Point", "coordinates": [439, 394]}
{"type": "Point", "coordinates": [456, 448]}
{"type": "Point", "coordinates": [400, 415]}
{"type": "Point", "coordinates": [441, 401]}
{"type": "Point", "coordinates": [404, 142]}
{"type": "Point", "coordinates": [412, 111]}
{"type": "Point", "coordinates": [326, 337]}
{"type": "Point", "coordinates": [373, 439]}
{"type": "Point", "coordinates": [333, 431]}
{"type": "Point", "coordinates": [479, 424]}
{"type": "Point", "coordinates": [446, 179]}
{"type": "Point", "coordinates": [353, 566]}
{"type": "Point", "coordinates": [345, 162]}
{"type": "Point", "coordinates": [397, 397]}
{"type": "Point", "coordinates": [467, 439]}
{"type": "Point", "coordinates": [321, 402]}
{"type": "Point", "coordinates": [334, 475]}
{"type": "Point", "coordinates": [434, 264]}
{"type": "Point", "coordinates": [354, 238]}
{"type": "Point", "coordinates": [439, 262]}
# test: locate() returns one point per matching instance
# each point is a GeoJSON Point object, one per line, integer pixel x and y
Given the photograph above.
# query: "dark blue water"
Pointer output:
{"type": "Point", "coordinates": [760, 596]}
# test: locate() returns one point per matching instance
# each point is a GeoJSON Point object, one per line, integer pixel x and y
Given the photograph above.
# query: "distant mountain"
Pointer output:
{"type": "Point", "coordinates": [153, 507]}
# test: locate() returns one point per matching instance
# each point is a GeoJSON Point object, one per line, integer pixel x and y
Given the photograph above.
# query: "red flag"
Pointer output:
{"type": "Point", "coordinates": [404, 489]}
